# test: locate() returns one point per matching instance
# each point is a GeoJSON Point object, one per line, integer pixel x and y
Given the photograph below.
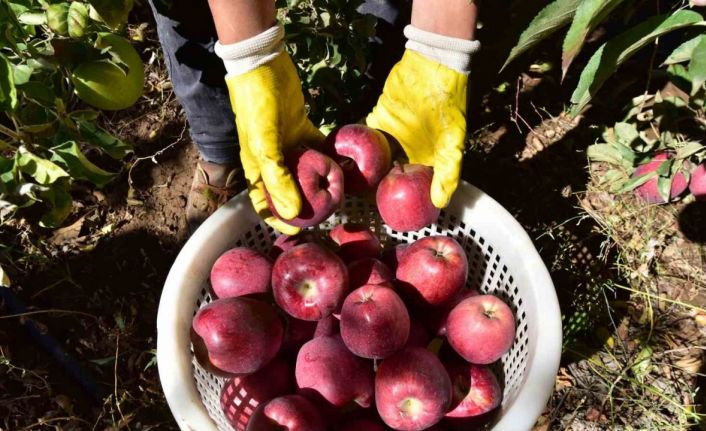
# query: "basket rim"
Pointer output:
{"type": "Point", "coordinates": [175, 367]}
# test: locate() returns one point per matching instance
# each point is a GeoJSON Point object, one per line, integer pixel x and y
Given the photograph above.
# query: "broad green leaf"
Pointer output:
{"type": "Point", "coordinates": [32, 18]}
{"type": "Point", "coordinates": [38, 91]}
{"type": "Point", "coordinates": [100, 138]}
{"type": "Point", "coordinates": [22, 73]}
{"type": "Point", "coordinates": [615, 154]}
{"type": "Point", "coordinates": [60, 202]}
{"type": "Point", "coordinates": [69, 156]}
{"type": "Point", "coordinates": [113, 12]}
{"type": "Point", "coordinates": [684, 51]}
{"type": "Point", "coordinates": [43, 171]}
{"type": "Point", "coordinates": [636, 182]}
{"type": "Point", "coordinates": [8, 92]}
{"type": "Point", "coordinates": [57, 18]}
{"type": "Point", "coordinates": [689, 149]}
{"type": "Point", "coordinates": [664, 187]}
{"type": "Point", "coordinates": [77, 19]}
{"type": "Point", "coordinates": [665, 168]}
{"type": "Point", "coordinates": [626, 133]}
{"type": "Point", "coordinates": [589, 14]}
{"type": "Point", "coordinates": [697, 66]}
{"type": "Point", "coordinates": [550, 19]}
{"type": "Point", "coordinates": [84, 115]}
{"type": "Point", "coordinates": [613, 53]}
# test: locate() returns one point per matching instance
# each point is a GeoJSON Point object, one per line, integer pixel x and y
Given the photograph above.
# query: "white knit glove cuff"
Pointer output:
{"type": "Point", "coordinates": [246, 55]}
{"type": "Point", "coordinates": [452, 52]}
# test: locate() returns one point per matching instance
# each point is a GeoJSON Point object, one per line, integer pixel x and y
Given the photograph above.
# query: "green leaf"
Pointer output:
{"type": "Point", "coordinates": [22, 73]}
{"type": "Point", "coordinates": [665, 168]}
{"type": "Point", "coordinates": [589, 14]}
{"type": "Point", "coordinates": [689, 149]}
{"type": "Point", "coordinates": [39, 92]}
{"type": "Point", "coordinates": [77, 19]}
{"type": "Point", "coordinates": [57, 18]}
{"type": "Point", "coordinates": [43, 171]}
{"type": "Point", "coordinates": [684, 51]}
{"type": "Point", "coordinates": [69, 156]}
{"type": "Point", "coordinates": [550, 19]}
{"type": "Point", "coordinates": [32, 18]}
{"type": "Point", "coordinates": [697, 66]}
{"type": "Point", "coordinates": [113, 12]}
{"type": "Point", "coordinates": [626, 133]}
{"type": "Point", "coordinates": [643, 363]}
{"type": "Point", "coordinates": [8, 92]}
{"type": "Point", "coordinates": [615, 154]}
{"type": "Point", "coordinates": [664, 187]}
{"type": "Point", "coordinates": [636, 182]}
{"type": "Point", "coordinates": [99, 137]}
{"type": "Point", "coordinates": [613, 53]}
{"type": "Point", "coordinates": [60, 202]}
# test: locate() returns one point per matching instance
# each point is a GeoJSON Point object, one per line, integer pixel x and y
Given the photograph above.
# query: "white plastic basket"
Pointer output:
{"type": "Point", "coordinates": [502, 261]}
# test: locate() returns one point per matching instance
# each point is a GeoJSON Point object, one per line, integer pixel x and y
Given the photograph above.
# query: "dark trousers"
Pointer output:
{"type": "Point", "coordinates": [187, 34]}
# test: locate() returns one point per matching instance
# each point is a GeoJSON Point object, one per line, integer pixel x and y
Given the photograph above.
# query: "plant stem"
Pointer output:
{"type": "Point", "coordinates": [9, 132]}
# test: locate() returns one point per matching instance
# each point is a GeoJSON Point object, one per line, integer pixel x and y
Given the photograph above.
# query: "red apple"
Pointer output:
{"type": "Point", "coordinates": [432, 270]}
{"type": "Point", "coordinates": [241, 334]}
{"type": "Point", "coordinates": [437, 318]}
{"type": "Point", "coordinates": [309, 282]}
{"type": "Point", "coordinates": [363, 154]}
{"type": "Point", "coordinates": [241, 395]}
{"type": "Point", "coordinates": [287, 413]}
{"type": "Point", "coordinates": [355, 241]}
{"type": "Point", "coordinates": [475, 390]}
{"type": "Point", "coordinates": [297, 332]}
{"type": "Point", "coordinates": [697, 185]}
{"type": "Point", "coordinates": [320, 182]}
{"type": "Point", "coordinates": [481, 329]}
{"type": "Point", "coordinates": [364, 425]}
{"type": "Point", "coordinates": [374, 322]}
{"type": "Point", "coordinates": [368, 271]}
{"type": "Point", "coordinates": [649, 190]}
{"type": "Point", "coordinates": [404, 200]}
{"type": "Point", "coordinates": [241, 271]}
{"type": "Point", "coordinates": [412, 390]}
{"type": "Point", "coordinates": [327, 371]}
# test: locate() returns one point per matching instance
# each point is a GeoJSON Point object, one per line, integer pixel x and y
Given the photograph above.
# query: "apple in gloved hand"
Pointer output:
{"type": "Point", "coordinates": [363, 154]}
{"type": "Point", "coordinates": [320, 182]}
{"type": "Point", "coordinates": [404, 198]}
{"type": "Point", "coordinates": [241, 334]}
{"type": "Point", "coordinates": [309, 282]}
{"type": "Point", "coordinates": [287, 413]}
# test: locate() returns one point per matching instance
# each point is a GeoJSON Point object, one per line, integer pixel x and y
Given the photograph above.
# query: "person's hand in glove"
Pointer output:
{"type": "Point", "coordinates": [270, 116]}
{"type": "Point", "coordinates": [423, 104]}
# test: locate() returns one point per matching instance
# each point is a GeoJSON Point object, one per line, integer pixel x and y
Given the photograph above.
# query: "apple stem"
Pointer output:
{"type": "Point", "coordinates": [375, 364]}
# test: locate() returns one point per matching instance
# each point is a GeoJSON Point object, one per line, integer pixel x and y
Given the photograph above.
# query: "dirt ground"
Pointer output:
{"type": "Point", "coordinates": [95, 284]}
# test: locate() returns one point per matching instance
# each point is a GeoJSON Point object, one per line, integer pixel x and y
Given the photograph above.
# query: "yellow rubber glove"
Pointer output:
{"type": "Point", "coordinates": [423, 106]}
{"type": "Point", "coordinates": [270, 116]}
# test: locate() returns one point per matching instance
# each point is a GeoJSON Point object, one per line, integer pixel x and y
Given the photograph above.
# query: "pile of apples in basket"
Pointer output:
{"type": "Point", "coordinates": [327, 332]}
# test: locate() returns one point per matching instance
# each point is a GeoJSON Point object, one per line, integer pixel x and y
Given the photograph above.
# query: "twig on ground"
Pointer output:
{"type": "Point", "coordinates": [154, 155]}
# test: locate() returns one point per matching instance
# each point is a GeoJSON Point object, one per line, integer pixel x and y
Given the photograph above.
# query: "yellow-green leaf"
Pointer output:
{"type": "Point", "coordinates": [8, 92]}
{"type": "Point", "coordinates": [684, 51]}
{"type": "Point", "coordinates": [43, 171]}
{"type": "Point", "coordinates": [697, 67]}
{"type": "Point", "coordinates": [69, 156]}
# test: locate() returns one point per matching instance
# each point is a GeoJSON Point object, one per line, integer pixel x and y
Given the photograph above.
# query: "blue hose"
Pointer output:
{"type": "Point", "coordinates": [52, 346]}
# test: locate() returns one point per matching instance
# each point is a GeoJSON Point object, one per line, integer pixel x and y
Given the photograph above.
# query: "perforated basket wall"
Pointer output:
{"type": "Point", "coordinates": [488, 272]}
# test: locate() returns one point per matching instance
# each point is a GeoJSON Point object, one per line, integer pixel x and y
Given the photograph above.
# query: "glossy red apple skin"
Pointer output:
{"type": "Point", "coordinates": [364, 425]}
{"type": "Point", "coordinates": [404, 198]}
{"type": "Point", "coordinates": [327, 371]}
{"type": "Point", "coordinates": [697, 185]}
{"type": "Point", "coordinates": [287, 413]}
{"type": "Point", "coordinates": [432, 270]}
{"type": "Point", "coordinates": [309, 282]}
{"type": "Point", "coordinates": [374, 322]}
{"type": "Point", "coordinates": [481, 329]}
{"type": "Point", "coordinates": [368, 271]}
{"type": "Point", "coordinates": [363, 154]}
{"type": "Point", "coordinates": [436, 319]}
{"type": "Point", "coordinates": [241, 334]}
{"type": "Point", "coordinates": [320, 182]}
{"type": "Point", "coordinates": [355, 241]}
{"type": "Point", "coordinates": [241, 271]}
{"type": "Point", "coordinates": [475, 388]}
{"type": "Point", "coordinates": [649, 190]}
{"type": "Point", "coordinates": [412, 390]}
{"type": "Point", "coordinates": [241, 395]}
